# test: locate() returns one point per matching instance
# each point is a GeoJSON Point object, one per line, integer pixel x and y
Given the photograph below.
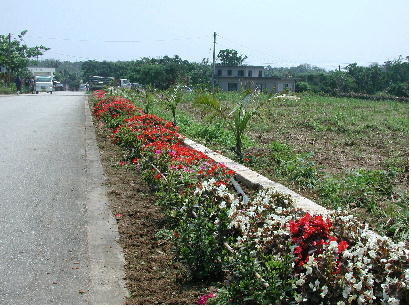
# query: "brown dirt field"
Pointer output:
{"type": "Point", "coordinates": [152, 274]}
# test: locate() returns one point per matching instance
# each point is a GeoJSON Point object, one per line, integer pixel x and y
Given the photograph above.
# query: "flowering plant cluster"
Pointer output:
{"type": "Point", "coordinates": [311, 234]}
{"type": "Point", "coordinates": [154, 139]}
{"type": "Point", "coordinates": [112, 109]}
{"type": "Point", "coordinates": [267, 251]}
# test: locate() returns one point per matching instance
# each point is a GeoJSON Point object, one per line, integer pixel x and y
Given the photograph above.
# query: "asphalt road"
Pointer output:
{"type": "Point", "coordinates": [46, 256]}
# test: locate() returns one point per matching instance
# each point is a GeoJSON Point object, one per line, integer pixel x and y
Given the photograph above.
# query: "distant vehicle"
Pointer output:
{"type": "Point", "coordinates": [109, 81]}
{"type": "Point", "coordinates": [43, 84]}
{"type": "Point", "coordinates": [186, 88]}
{"type": "Point", "coordinates": [136, 86]}
{"type": "Point", "coordinates": [124, 83]}
{"type": "Point", "coordinates": [82, 87]}
{"type": "Point", "coordinates": [98, 82]}
{"type": "Point", "coordinates": [58, 86]}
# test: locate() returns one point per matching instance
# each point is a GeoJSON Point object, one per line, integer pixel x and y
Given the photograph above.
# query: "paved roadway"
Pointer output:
{"type": "Point", "coordinates": [46, 253]}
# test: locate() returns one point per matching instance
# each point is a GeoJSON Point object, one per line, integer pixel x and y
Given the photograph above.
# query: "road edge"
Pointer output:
{"type": "Point", "coordinates": [105, 253]}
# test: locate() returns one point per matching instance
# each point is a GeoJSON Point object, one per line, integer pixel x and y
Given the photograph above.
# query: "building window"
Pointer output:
{"type": "Point", "coordinates": [229, 72]}
{"type": "Point", "coordinates": [250, 73]}
{"type": "Point", "coordinates": [285, 85]}
{"type": "Point", "coordinates": [240, 73]}
{"type": "Point", "coordinates": [260, 73]}
{"type": "Point", "coordinates": [232, 86]}
{"type": "Point", "coordinates": [219, 72]}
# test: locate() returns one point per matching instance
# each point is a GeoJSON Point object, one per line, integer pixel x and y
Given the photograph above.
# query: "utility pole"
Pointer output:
{"type": "Point", "coordinates": [9, 55]}
{"type": "Point", "coordinates": [212, 78]}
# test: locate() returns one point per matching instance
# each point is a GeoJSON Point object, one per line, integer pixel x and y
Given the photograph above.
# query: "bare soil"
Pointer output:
{"type": "Point", "coordinates": [152, 274]}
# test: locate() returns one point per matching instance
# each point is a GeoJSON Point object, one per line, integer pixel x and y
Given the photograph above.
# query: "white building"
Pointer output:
{"type": "Point", "coordinates": [234, 78]}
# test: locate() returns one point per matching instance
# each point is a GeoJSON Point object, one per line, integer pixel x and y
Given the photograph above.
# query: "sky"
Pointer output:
{"type": "Point", "coordinates": [325, 33]}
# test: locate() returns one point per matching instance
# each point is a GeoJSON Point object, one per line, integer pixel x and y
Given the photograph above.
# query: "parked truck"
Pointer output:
{"type": "Point", "coordinates": [43, 84]}
{"type": "Point", "coordinates": [43, 79]}
{"type": "Point", "coordinates": [98, 82]}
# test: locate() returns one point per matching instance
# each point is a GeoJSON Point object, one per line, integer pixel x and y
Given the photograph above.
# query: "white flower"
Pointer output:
{"type": "Point", "coordinates": [348, 276]}
{"type": "Point", "coordinates": [361, 299]}
{"type": "Point", "coordinates": [351, 298]}
{"type": "Point", "coordinates": [372, 254]}
{"type": "Point", "coordinates": [324, 291]}
{"type": "Point", "coordinates": [222, 205]}
{"type": "Point", "coordinates": [300, 282]}
{"type": "Point", "coordinates": [358, 286]}
{"type": "Point", "coordinates": [334, 244]}
{"type": "Point", "coordinates": [393, 301]}
{"type": "Point", "coordinates": [298, 298]}
{"type": "Point", "coordinates": [346, 292]}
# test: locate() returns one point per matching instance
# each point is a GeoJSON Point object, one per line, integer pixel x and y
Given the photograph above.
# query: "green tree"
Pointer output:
{"type": "Point", "coordinates": [230, 57]}
{"type": "Point", "coordinates": [16, 55]}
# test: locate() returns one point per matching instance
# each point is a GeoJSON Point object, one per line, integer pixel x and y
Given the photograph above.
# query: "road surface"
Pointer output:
{"type": "Point", "coordinates": [57, 236]}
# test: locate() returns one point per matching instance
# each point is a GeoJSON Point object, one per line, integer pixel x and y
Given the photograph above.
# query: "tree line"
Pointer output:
{"type": "Point", "coordinates": [388, 79]}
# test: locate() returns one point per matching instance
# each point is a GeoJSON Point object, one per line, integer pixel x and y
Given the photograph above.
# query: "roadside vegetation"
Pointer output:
{"type": "Point", "coordinates": [341, 152]}
{"type": "Point", "coordinates": [15, 57]}
{"type": "Point", "coordinates": [256, 251]}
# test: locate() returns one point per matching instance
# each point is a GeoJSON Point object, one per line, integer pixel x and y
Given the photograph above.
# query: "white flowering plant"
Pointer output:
{"type": "Point", "coordinates": [202, 230]}
{"type": "Point", "coordinates": [357, 268]}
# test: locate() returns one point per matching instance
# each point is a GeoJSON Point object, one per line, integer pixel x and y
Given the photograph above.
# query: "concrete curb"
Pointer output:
{"type": "Point", "coordinates": [255, 180]}
{"type": "Point", "coordinates": [106, 256]}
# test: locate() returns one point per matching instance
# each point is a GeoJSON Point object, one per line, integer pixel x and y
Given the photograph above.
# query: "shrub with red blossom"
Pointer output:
{"type": "Point", "coordinates": [310, 234]}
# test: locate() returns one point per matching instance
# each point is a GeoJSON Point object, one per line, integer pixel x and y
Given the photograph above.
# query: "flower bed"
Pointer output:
{"type": "Point", "coordinates": [261, 252]}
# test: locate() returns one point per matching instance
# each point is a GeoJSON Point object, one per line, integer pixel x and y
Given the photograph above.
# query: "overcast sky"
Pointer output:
{"type": "Point", "coordinates": [270, 32]}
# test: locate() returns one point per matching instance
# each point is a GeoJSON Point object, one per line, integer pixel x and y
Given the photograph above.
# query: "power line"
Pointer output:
{"type": "Point", "coordinates": [121, 41]}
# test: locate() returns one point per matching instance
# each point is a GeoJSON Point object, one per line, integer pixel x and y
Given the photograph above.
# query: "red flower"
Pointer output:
{"type": "Point", "coordinates": [311, 234]}
{"type": "Point", "coordinates": [342, 246]}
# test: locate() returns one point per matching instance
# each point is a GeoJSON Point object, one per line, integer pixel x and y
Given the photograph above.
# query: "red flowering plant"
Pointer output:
{"type": "Point", "coordinates": [113, 109]}
{"type": "Point", "coordinates": [310, 234]}
{"type": "Point", "coordinates": [317, 260]}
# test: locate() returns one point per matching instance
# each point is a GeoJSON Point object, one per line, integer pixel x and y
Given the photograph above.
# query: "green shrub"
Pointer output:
{"type": "Point", "coordinates": [302, 87]}
{"type": "Point", "coordinates": [297, 168]}
{"type": "Point", "coordinates": [362, 188]}
{"type": "Point", "coordinates": [203, 230]}
{"type": "Point", "coordinates": [7, 89]}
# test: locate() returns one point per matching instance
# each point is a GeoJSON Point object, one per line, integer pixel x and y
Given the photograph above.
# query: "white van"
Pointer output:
{"type": "Point", "coordinates": [124, 83]}
{"type": "Point", "coordinates": [43, 84]}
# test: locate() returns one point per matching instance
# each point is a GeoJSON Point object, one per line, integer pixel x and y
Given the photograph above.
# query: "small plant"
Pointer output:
{"type": "Point", "coordinates": [149, 99]}
{"type": "Point", "coordinates": [237, 119]}
{"type": "Point", "coordinates": [173, 99]}
{"type": "Point", "coordinates": [297, 168]}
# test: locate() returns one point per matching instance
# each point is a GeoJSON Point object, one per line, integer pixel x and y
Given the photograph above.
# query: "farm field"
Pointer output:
{"type": "Point", "coordinates": [341, 152]}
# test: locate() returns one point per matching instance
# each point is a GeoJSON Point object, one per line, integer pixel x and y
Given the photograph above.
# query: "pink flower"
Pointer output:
{"type": "Point", "coordinates": [203, 299]}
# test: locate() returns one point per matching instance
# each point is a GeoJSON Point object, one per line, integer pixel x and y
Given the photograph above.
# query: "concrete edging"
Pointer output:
{"type": "Point", "coordinates": [255, 180]}
{"type": "Point", "coordinates": [106, 255]}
